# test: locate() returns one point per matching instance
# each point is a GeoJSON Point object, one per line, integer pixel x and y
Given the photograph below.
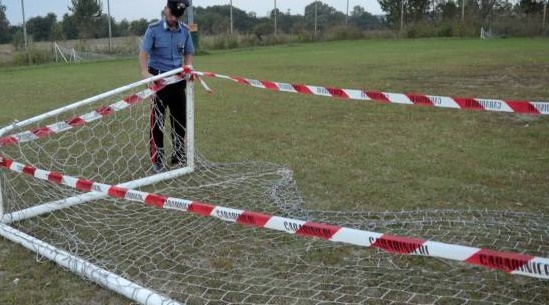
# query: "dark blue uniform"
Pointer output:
{"type": "Point", "coordinates": [166, 48]}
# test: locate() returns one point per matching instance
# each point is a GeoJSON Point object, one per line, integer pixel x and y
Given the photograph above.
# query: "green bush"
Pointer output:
{"type": "Point", "coordinates": [381, 34]}
{"type": "Point", "coordinates": [446, 30]}
{"type": "Point", "coordinates": [250, 41]}
{"type": "Point", "coordinates": [36, 57]}
{"type": "Point", "coordinates": [343, 32]}
{"type": "Point", "coordinates": [232, 41]}
{"type": "Point", "coordinates": [221, 42]}
{"type": "Point", "coordinates": [517, 27]}
{"type": "Point", "coordinates": [305, 36]}
{"type": "Point", "coordinates": [411, 32]}
{"type": "Point", "coordinates": [218, 42]}
{"type": "Point", "coordinates": [421, 30]}
{"type": "Point", "coordinates": [272, 40]}
{"type": "Point", "coordinates": [467, 29]}
{"type": "Point", "coordinates": [81, 46]}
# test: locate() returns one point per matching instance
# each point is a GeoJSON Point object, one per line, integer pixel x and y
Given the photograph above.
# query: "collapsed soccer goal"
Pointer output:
{"type": "Point", "coordinates": [70, 55]}
{"type": "Point", "coordinates": [77, 188]}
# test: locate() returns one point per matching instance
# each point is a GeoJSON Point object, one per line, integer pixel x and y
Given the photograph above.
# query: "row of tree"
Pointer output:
{"type": "Point", "coordinates": [83, 21]}
{"type": "Point", "coordinates": [216, 20]}
{"type": "Point", "coordinates": [4, 25]}
{"type": "Point", "coordinates": [481, 11]}
{"type": "Point", "coordinates": [48, 28]}
{"type": "Point", "coordinates": [85, 18]}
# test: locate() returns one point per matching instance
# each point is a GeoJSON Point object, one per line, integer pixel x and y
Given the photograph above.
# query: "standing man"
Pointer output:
{"type": "Point", "coordinates": [167, 45]}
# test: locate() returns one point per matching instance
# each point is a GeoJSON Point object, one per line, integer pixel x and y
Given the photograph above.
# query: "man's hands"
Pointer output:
{"type": "Point", "coordinates": [187, 69]}
{"type": "Point", "coordinates": [146, 74]}
{"type": "Point", "coordinates": [143, 64]}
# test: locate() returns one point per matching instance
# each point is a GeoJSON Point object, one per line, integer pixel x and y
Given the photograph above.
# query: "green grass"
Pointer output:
{"type": "Point", "coordinates": [345, 155]}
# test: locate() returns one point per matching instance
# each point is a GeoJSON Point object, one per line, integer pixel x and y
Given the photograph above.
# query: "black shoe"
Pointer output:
{"type": "Point", "coordinates": [158, 168]}
{"type": "Point", "coordinates": [178, 161]}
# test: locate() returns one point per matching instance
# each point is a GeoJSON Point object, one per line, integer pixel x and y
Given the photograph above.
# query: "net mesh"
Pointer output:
{"type": "Point", "coordinates": [200, 260]}
{"type": "Point", "coordinates": [71, 55]}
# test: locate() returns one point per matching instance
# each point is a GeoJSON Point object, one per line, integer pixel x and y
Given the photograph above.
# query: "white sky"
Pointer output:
{"type": "Point", "coordinates": [136, 9]}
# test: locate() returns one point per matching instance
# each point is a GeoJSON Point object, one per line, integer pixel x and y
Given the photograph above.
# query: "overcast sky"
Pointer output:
{"type": "Point", "coordinates": [149, 9]}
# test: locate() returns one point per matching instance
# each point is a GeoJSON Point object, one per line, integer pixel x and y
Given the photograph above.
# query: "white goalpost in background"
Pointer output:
{"type": "Point", "coordinates": [70, 55]}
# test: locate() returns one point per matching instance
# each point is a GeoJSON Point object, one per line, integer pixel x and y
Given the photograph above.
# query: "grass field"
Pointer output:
{"type": "Point", "coordinates": [346, 156]}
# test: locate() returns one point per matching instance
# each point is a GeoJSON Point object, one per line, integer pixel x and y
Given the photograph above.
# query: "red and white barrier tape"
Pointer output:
{"type": "Point", "coordinates": [497, 105]}
{"type": "Point", "coordinates": [514, 263]}
{"type": "Point", "coordinates": [510, 106]}
{"type": "Point", "coordinates": [58, 127]}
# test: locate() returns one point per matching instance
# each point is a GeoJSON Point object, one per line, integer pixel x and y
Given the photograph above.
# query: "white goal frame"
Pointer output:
{"type": "Point", "coordinates": [85, 269]}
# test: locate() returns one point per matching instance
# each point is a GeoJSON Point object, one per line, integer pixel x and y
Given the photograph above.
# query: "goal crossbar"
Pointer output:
{"type": "Point", "coordinates": [87, 101]}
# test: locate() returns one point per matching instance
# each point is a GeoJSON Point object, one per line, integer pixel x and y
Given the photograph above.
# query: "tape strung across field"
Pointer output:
{"type": "Point", "coordinates": [58, 127]}
{"type": "Point", "coordinates": [514, 263]}
{"type": "Point", "coordinates": [497, 105]}
{"type": "Point", "coordinates": [510, 106]}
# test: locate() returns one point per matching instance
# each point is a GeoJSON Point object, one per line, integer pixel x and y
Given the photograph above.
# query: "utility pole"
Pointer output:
{"type": "Point", "coordinates": [347, 16]}
{"type": "Point", "coordinates": [110, 27]}
{"type": "Point", "coordinates": [194, 28]}
{"type": "Point", "coordinates": [401, 15]}
{"type": "Point", "coordinates": [231, 16]}
{"type": "Point", "coordinates": [25, 32]}
{"type": "Point", "coordinates": [316, 17]}
{"type": "Point", "coordinates": [462, 11]}
{"type": "Point", "coordinates": [544, 15]}
{"type": "Point", "coordinates": [190, 13]}
{"type": "Point", "coordinates": [275, 16]}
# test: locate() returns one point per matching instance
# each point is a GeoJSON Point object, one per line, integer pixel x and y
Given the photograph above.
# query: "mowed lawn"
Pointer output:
{"type": "Point", "coordinates": [346, 155]}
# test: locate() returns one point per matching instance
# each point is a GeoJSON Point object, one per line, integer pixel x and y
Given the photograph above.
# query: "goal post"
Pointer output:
{"type": "Point", "coordinates": [87, 270]}
{"type": "Point", "coordinates": [42, 208]}
{"type": "Point", "coordinates": [1, 202]}
{"type": "Point", "coordinates": [17, 133]}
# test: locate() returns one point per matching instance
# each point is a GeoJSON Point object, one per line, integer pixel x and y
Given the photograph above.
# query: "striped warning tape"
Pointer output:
{"type": "Point", "coordinates": [58, 127]}
{"type": "Point", "coordinates": [514, 263]}
{"type": "Point", "coordinates": [497, 105]}
{"type": "Point", "coordinates": [511, 106]}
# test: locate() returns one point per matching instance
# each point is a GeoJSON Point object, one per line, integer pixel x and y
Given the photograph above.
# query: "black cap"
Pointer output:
{"type": "Point", "coordinates": [177, 7]}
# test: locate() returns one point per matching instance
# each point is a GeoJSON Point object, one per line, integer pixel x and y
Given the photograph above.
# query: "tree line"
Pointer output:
{"type": "Point", "coordinates": [86, 19]}
{"type": "Point", "coordinates": [506, 16]}
{"type": "Point", "coordinates": [480, 10]}
{"type": "Point", "coordinates": [215, 20]}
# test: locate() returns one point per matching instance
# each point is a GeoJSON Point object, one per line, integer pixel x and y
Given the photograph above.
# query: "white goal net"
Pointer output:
{"type": "Point", "coordinates": [71, 55]}
{"type": "Point", "coordinates": [185, 258]}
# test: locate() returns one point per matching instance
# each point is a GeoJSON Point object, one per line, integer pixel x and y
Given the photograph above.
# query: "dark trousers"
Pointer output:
{"type": "Point", "coordinates": [173, 98]}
